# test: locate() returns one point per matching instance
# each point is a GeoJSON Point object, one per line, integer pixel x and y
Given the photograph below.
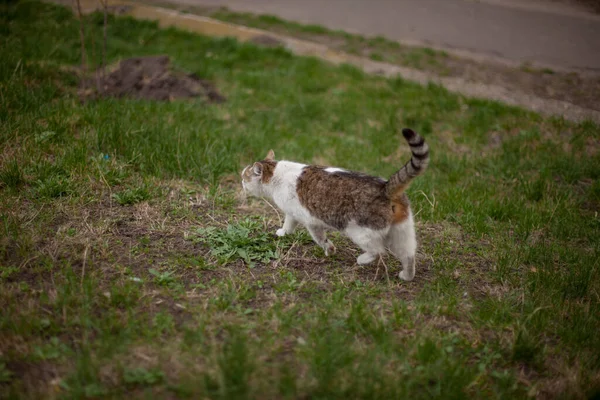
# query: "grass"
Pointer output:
{"type": "Point", "coordinates": [572, 87]}
{"type": "Point", "coordinates": [377, 48]}
{"type": "Point", "coordinates": [129, 266]}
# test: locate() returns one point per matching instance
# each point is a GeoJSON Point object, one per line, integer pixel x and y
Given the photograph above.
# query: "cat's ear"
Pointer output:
{"type": "Point", "coordinates": [270, 155]}
{"type": "Point", "coordinates": [257, 169]}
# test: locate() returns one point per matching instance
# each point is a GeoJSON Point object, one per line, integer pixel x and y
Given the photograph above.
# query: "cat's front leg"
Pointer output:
{"type": "Point", "coordinates": [319, 236]}
{"type": "Point", "coordinates": [289, 226]}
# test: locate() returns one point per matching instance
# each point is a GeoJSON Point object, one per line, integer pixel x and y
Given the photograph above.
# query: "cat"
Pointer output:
{"type": "Point", "coordinates": [373, 212]}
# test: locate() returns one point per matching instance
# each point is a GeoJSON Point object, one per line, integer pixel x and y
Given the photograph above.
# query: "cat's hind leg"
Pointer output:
{"type": "Point", "coordinates": [371, 241]}
{"type": "Point", "coordinates": [289, 226]}
{"type": "Point", "coordinates": [319, 235]}
{"type": "Point", "coordinates": [402, 242]}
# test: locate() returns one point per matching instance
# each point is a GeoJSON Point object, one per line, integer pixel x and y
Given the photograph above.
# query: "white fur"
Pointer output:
{"type": "Point", "coordinates": [331, 170]}
{"type": "Point", "coordinates": [371, 241]}
{"type": "Point", "coordinates": [282, 190]}
{"type": "Point", "coordinates": [402, 242]}
{"type": "Point", "coordinates": [400, 239]}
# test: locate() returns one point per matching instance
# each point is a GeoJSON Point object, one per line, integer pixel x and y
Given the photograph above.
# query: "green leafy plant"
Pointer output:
{"type": "Point", "coordinates": [142, 376]}
{"type": "Point", "coordinates": [246, 240]}
{"type": "Point", "coordinates": [165, 278]}
{"type": "Point", "coordinates": [131, 196]}
{"type": "Point", "coordinates": [289, 282]}
{"type": "Point", "coordinates": [53, 186]}
{"type": "Point", "coordinates": [52, 350]}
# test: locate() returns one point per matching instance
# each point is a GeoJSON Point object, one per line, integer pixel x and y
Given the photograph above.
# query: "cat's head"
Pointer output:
{"type": "Point", "coordinates": [257, 175]}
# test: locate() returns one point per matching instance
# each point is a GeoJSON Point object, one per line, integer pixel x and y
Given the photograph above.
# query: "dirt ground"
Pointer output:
{"type": "Point", "coordinates": [117, 230]}
{"type": "Point", "coordinates": [152, 78]}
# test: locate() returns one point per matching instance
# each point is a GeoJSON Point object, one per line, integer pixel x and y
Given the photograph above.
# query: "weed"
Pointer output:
{"type": "Point", "coordinates": [53, 186]}
{"type": "Point", "coordinates": [143, 377]}
{"type": "Point", "coordinates": [245, 240]}
{"type": "Point", "coordinates": [131, 196]}
{"type": "Point", "coordinates": [289, 282]}
{"type": "Point", "coordinates": [52, 350]}
{"type": "Point", "coordinates": [165, 278]}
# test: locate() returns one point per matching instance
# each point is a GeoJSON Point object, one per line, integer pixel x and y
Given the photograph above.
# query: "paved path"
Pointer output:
{"type": "Point", "coordinates": [537, 31]}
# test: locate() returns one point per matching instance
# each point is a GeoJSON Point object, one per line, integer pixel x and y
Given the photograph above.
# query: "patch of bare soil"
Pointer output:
{"type": "Point", "coordinates": [153, 78]}
{"type": "Point", "coordinates": [144, 236]}
{"type": "Point", "coordinates": [117, 244]}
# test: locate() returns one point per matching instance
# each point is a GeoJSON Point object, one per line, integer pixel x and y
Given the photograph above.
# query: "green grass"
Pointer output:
{"type": "Point", "coordinates": [578, 89]}
{"type": "Point", "coordinates": [377, 48]}
{"type": "Point", "coordinates": [130, 267]}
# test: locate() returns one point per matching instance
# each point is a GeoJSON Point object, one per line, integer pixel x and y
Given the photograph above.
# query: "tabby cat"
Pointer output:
{"type": "Point", "coordinates": [373, 212]}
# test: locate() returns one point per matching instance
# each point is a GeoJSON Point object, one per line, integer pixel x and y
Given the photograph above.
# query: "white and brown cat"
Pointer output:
{"type": "Point", "coordinates": [373, 212]}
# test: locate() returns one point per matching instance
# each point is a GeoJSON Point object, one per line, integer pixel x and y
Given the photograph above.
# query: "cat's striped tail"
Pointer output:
{"type": "Point", "coordinates": [414, 167]}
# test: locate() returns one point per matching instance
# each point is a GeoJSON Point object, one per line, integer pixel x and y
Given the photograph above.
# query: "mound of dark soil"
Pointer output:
{"type": "Point", "coordinates": [152, 78]}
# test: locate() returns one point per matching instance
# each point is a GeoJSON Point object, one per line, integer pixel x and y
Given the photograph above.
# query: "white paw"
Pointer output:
{"type": "Point", "coordinates": [329, 248]}
{"type": "Point", "coordinates": [365, 259]}
{"type": "Point", "coordinates": [405, 276]}
{"type": "Point", "coordinates": [280, 232]}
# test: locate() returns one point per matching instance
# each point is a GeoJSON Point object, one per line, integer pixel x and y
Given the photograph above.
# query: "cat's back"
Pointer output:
{"type": "Point", "coordinates": [338, 196]}
{"type": "Point", "coordinates": [330, 179]}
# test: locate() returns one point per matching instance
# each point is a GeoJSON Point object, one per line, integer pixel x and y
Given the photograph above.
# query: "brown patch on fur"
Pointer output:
{"type": "Point", "coordinates": [340, 197]}
{"type": "Point", "coordinates": [400, 208]}
{"type": "Point", "coordinates": [268, 166]}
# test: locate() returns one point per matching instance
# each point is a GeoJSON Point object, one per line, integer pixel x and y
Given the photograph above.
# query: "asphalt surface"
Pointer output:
{"type": "Point", "coordinates": [542, 32]}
